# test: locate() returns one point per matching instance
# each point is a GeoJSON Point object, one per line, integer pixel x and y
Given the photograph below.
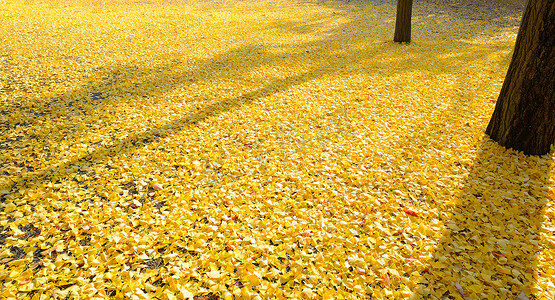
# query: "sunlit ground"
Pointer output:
{"type": "Point", "coordinates": [263, 149]}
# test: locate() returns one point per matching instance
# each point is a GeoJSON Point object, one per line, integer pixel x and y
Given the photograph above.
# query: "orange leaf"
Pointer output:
{"type": "Point", "coordinates": [410, 213]}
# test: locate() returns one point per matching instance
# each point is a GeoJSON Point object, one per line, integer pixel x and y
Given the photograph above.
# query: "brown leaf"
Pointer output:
{"type": "Point", "coordinates": [6, 260]}
{"type": "Point", "coordinates": [207, 297]}
{"type": "Point", "coordinates": [48, 251]}
{"type": "Point", "coordinates": [498, 254]}
{"type": "Point", "coordinates": [522, 296]}
{"type": "Point", "coordinates": [459, 288]}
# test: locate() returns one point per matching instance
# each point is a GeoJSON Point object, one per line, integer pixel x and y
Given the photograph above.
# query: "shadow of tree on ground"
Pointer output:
{"type": "Point", "coordinates": [493, 232]}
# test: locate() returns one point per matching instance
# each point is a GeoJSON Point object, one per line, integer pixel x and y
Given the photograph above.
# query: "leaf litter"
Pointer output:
{"type": "Point", "coordinates": [263, 149]}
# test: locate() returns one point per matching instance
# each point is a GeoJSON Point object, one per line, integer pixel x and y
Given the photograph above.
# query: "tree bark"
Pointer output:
{"type": "Point", "coordinates": [524, 116]}
{"type": "Point", "coordinates": [402, 23]}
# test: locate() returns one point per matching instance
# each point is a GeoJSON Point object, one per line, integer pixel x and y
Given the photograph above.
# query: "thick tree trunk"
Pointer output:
{"type": "Point", "coordinates": [524, 116]}
{"type": "Point", "coordinates": [402, 23]}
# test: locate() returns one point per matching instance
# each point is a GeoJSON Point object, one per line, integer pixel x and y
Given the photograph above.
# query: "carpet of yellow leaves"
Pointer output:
{"type": "Point", "coordinates": [263, 149]}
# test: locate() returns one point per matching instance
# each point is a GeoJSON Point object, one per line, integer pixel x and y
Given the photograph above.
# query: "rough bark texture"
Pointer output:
{"type": "Point", "coordinates": [524, 116]}
{"type": "Point", "coordinates": [402, 23]}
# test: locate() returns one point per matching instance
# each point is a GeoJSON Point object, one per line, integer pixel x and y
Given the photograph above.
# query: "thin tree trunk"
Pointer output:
{"type": "Point", "coordinates": [402, 23]}
{"type": "Point", "coordinates": [524, 116]}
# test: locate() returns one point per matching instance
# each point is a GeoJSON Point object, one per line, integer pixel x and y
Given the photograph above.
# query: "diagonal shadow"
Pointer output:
{"type": "Point", "coordinates": [192, 117]}
{"type": "Point", "coordinates": [493, 234]}
{"type": "Point", "coordinates": [110, 87]}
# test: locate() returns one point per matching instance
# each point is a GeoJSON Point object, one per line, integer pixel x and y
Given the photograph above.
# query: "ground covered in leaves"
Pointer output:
{"type": "Point", "coordinates": [263, 149]}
